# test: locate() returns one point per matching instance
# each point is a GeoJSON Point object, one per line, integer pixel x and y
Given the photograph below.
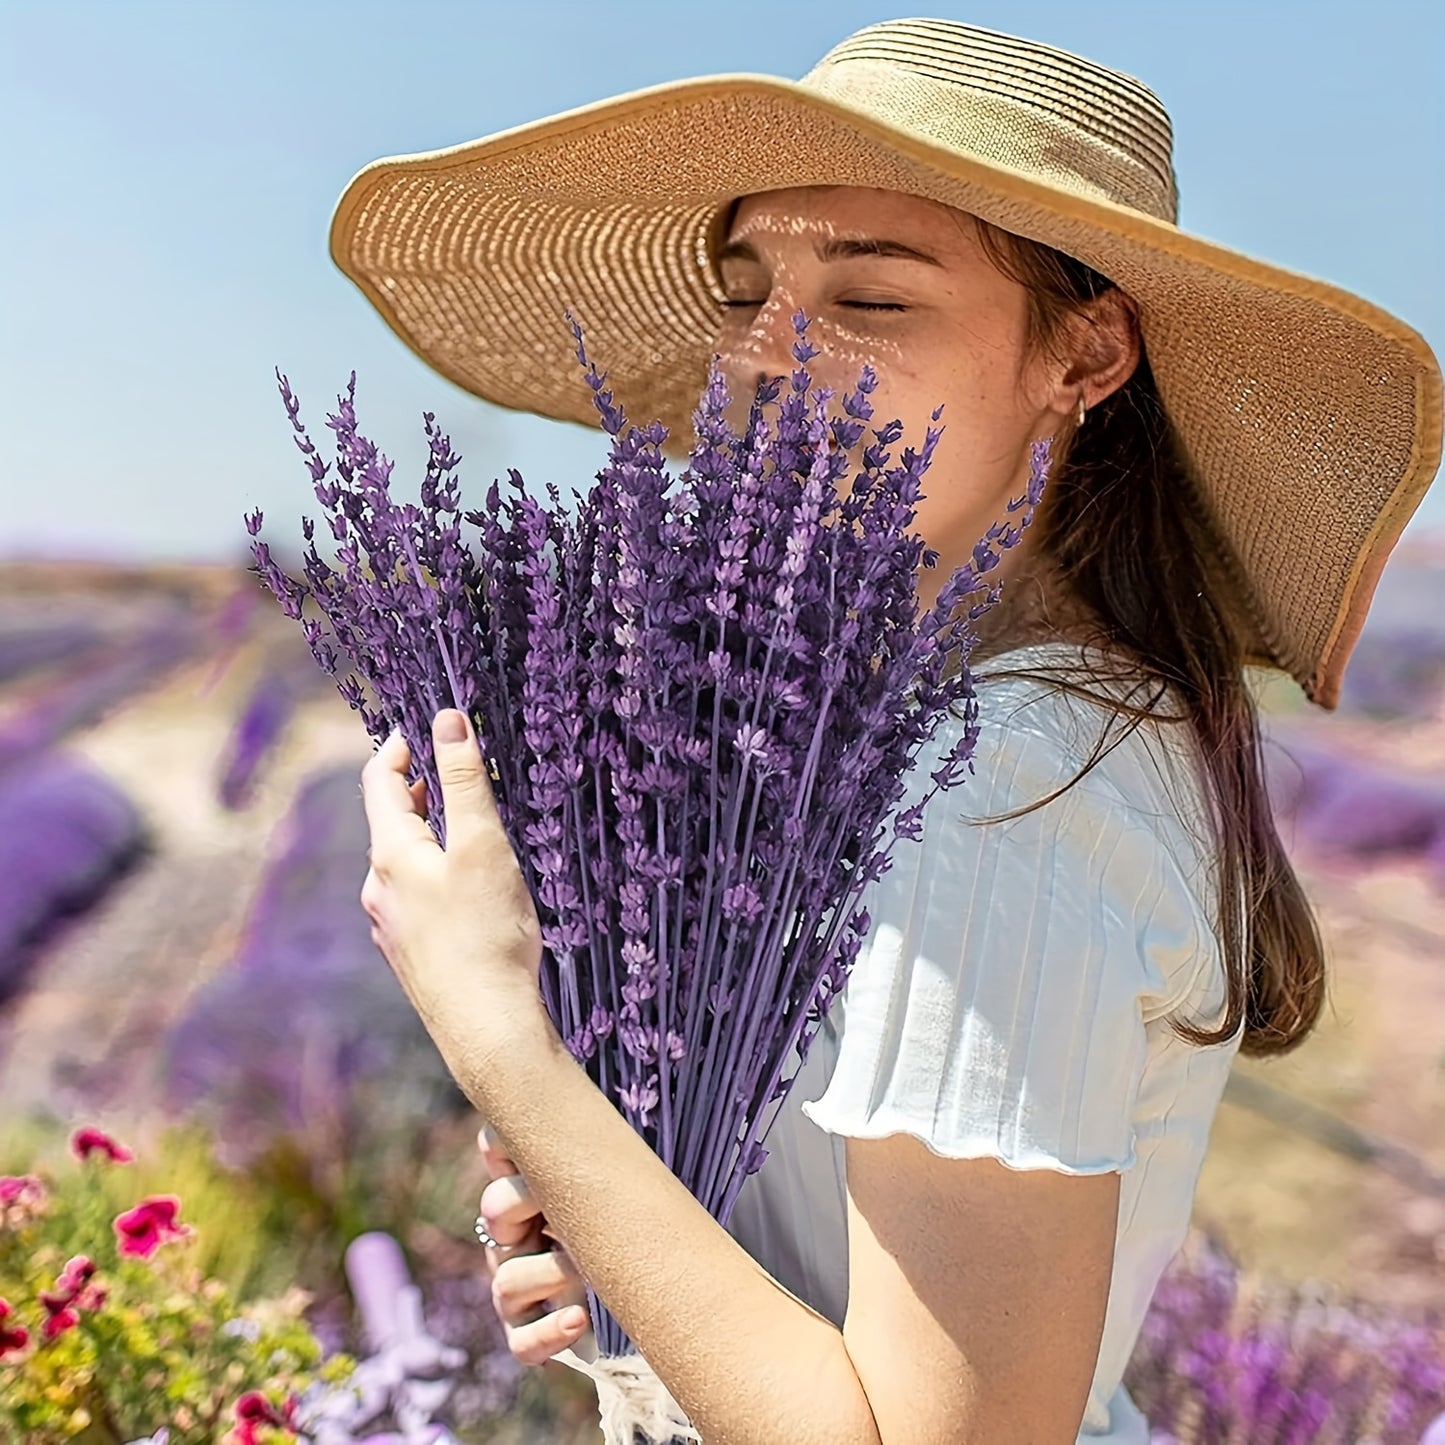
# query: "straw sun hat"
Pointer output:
{"type": "Point", "coordinates": [1311, 419]}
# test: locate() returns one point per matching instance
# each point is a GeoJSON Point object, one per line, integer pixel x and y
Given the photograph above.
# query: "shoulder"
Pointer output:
{"type": "Point", "coordinates": [1063, 709]}
{"type": "Point", "coordinates": [1074, 806]}
{"type": "Point", "coordinates": [1051, 718]}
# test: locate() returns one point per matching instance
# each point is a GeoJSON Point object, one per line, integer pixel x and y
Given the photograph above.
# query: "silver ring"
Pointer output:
{"type": "Point", "coordinates": [481, 1228]}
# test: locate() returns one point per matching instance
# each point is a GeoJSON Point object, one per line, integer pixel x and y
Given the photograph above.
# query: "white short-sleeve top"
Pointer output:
{"type": "Point", "coordinates": [1012, 1000]}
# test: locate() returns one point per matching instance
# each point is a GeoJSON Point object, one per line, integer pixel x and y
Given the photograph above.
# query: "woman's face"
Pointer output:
{"type": "Point", "coordinates": [903, 284]}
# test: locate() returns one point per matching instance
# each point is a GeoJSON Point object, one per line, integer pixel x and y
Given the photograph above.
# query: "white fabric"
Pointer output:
{"type": "Point", "coordinates": [1012, 1000]}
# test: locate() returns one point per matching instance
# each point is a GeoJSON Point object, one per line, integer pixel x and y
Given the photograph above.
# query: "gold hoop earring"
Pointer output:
{"type": "Point", "coordinates": [1081, 408]}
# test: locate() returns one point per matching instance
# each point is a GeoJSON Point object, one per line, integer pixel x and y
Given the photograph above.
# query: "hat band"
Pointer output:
{"type": "Point", "coordinates": [996, 127]}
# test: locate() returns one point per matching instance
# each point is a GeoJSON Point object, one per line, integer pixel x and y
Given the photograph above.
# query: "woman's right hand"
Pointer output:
{"type": "Point", "coordinates": [536, 1290]}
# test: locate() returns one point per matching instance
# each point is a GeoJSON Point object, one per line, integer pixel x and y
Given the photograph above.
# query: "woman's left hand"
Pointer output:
{"type": "Point", "coordinates": [458, 927]}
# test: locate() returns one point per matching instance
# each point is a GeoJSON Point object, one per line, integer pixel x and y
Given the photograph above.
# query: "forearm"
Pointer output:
{"type": "Point", "coordinates": [747, 1361]}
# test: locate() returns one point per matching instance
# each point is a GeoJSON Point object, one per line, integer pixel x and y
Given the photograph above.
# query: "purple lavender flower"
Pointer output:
{"type": "Point", "coordinates": [67, 833]}
{"type": "Point", "coordinates": [29, 649]}
{"type": "Point", "coordinates": [700, 698]}
{"type": "Point", "coordinates": [281, 1041]}
{"type": "Point", "coordinates": [1222, 1357]}
{"type": "Point", "coordinates": [79, 698]}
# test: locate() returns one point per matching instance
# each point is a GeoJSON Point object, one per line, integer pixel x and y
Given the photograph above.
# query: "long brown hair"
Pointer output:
{"type": "Point", "coordinates": [1120, 529]}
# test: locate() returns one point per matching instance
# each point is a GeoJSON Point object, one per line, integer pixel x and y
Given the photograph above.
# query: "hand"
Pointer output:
{"type": "Point", "coordinates": [536, 1290]}
{"type": "Point", "coordinates": [458, 927]}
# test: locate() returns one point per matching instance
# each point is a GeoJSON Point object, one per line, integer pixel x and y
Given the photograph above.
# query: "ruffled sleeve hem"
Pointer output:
{"type": "Point", "coordinates": [884, 1125]}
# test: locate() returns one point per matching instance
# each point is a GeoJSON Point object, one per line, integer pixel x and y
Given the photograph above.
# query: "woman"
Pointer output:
{"type": "Point", "coordinates": [990, 1154]}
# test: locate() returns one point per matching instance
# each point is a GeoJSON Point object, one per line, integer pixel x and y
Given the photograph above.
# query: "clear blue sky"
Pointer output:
{"type": "Point", "coordinates": [170, 170]}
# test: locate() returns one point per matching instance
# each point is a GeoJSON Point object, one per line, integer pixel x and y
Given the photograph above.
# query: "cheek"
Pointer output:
{"type": "Point", "coordinates": [968, 368]}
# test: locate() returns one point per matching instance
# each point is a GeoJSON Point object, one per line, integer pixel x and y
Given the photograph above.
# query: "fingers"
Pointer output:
{"type": "Point", "coordinates": [494, 1160]}
{"type": "Point", "coordinates": [537, 1343]}
{"type": "Point", "coordinates": [466, 786]}
{"type": "Point", "coordinates": [548, 1281]}
{"type": "Point", "coordinates": [508, 1209]}
{"type": "Point", "coordinates": [391, 809]}
{"type": "Point", "coordinates": [524, 1281]}
{"type": "Point", "coordinates": [494, 1259]}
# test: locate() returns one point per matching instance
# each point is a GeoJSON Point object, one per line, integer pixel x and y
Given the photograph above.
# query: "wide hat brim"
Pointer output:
{"type": "Point", "coordinates": [1310, 419]}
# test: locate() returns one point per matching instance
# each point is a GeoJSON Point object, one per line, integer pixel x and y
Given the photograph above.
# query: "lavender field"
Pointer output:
{"type": "Point", "coordinates": [181, 947]}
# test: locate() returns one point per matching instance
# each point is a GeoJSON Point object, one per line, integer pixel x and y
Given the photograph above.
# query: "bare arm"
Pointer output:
{"type": "Point", "coordinates": [750, 1363]}
{"type": "Point", "coordinates": [976, 1301]}
{"type": "Point", "coordinates": [976, 1293]}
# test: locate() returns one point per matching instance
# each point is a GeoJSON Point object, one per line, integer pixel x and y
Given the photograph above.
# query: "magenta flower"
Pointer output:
{"type": "Point", "coordinates": [22, 1197]}
{"type": "Point", "coordinates": [76, 1274]}
{"type": "Point", "coordinates": [58, 1319]}
{"type": "Point", "coordinates": [87, 1141]}
{"type": "Point", "coordinates": [253, 1410]}
{"type": "Point", "coordinates": [13, 1338]}
{"type": "Point", "coordinates": [73, 1293]}
{"type": "Point", "coordinates": [140, 1231]}
{"type": "Point", "coordinates": [16, 1187]}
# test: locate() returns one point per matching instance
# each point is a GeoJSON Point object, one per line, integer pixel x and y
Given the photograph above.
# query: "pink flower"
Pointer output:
{"type": "Point", "coordinates": [76, 1274]}
{"type": "Point", "coordinates": [22, 1197]}
{"type": "Point", "coordinates": [73, 1288]}
{"type": "Point", "coordinates": [18, 1188]}
{"type": "Point", "coordinates": [150, 1224]}
{"type": "Point", "coordinates": [57, 1321]}
{"type": "Point", "coordinates": [12, 1337]}
{"type": "Point", "coordinates": [253, 1410]}
{"type": "Point", "coordinates": [84, 1142]}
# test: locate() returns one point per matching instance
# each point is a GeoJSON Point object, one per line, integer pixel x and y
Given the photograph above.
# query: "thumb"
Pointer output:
{"type": "Point", "coordinates": [466, 789]}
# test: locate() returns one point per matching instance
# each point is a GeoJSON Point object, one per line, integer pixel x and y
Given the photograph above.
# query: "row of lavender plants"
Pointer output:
{"type": "Point", "coordinates": [67, 833]}
{"type": "Point", "coordinates": [1226, 1357]}
{"type": "Point", "coordinates": [1336, 807]}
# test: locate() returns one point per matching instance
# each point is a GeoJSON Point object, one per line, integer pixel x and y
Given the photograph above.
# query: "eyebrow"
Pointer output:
{"type": "Point", "coordinates": [839, 248]}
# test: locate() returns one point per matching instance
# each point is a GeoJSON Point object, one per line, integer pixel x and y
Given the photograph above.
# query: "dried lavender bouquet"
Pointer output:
{"type": "Point", "coordinates": [699, 698]}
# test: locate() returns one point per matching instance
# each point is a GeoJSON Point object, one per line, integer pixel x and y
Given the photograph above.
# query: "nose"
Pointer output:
{"type": "Point", "coordinates": [757, 352]}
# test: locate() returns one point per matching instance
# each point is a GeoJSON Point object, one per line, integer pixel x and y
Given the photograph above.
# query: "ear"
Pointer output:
{"type": "Point", "coordinates": [1098, 353]}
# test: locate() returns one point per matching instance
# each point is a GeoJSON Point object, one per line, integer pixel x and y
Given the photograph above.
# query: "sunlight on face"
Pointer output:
{"type": "Point", "coordinates": [901, 283]}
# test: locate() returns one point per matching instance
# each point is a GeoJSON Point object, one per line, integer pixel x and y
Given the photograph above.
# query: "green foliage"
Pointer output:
{"type": "Point", "coordinates": [161, 1339]}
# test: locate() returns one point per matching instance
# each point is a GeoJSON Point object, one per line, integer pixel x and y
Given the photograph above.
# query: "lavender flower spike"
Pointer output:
{"type": "Point", "coordinates": [700, 697]}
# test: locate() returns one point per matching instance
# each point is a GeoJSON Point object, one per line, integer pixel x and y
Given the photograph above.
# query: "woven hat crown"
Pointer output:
{"type": "Point", "coordinates": [1037, 110]}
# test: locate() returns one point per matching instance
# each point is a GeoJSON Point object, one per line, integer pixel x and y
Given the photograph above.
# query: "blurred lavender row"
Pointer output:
{"type": "Point", "coordinates": [28, 649]}
{"type": "Point", "coordinates": [1340, 807]}
{"type": "Point", "coordinates": [309, 1007]}
{"type": "Point", "coordinates": [128, 667]}
{"type": "Point", "coordinates": [287, 678]}
{"type": "Point", "coordinates": [1223, 1357]}
{"type": "Point", "coordinates": [66, 834]}
{"type": "Point", "coordinates": [1396, 675]}
{"type": "Point", "coordinates": [257, 731]}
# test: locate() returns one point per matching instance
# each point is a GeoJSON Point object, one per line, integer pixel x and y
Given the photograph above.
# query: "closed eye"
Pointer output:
{"type": "Point", "coordinates": [856, 305]}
